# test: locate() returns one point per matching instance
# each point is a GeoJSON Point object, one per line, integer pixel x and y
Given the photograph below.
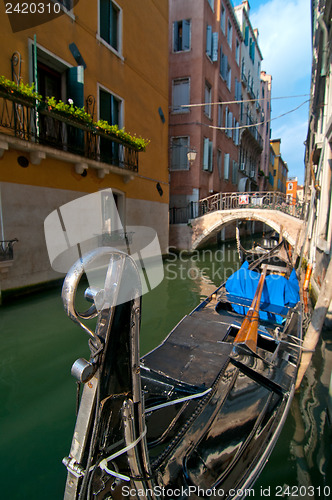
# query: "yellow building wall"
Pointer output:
{"type": "Point", "coordinates": [140, 78]}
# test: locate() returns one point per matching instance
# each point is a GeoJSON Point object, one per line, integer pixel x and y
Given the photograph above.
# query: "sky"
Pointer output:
{"type": "Point", "coordinates": [285, 42]}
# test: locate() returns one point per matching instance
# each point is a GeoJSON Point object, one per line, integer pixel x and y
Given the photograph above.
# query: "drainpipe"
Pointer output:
{"type": "Point", "coordinates": [322, 24]}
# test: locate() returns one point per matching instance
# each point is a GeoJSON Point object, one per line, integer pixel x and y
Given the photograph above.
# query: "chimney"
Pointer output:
{"type": "Point", "coordinates": [246, 5]}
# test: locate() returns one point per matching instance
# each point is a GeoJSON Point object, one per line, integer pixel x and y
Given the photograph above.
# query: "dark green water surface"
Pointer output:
{"type": "Point", "coordinates": [37, 414]}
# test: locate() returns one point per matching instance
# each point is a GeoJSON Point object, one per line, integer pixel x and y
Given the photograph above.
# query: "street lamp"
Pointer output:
{"type": "Point", "coordinates": [191, 155]}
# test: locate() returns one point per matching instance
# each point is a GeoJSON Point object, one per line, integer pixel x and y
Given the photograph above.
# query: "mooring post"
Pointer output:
{"type": "Point", "coordinates": [317, 320]}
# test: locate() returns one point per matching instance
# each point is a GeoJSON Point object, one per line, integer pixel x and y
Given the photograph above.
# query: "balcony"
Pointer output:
{"type": "Point", "coordinates": [253, 130]}
{"type": "Point", "coordinates": [30, 124]}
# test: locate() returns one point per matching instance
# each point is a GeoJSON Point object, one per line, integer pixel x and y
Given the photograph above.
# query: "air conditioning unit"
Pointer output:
{"type": "Point", "coordinates": [242, 167]}
{"type": "Point", "coordinates": [252, 173]}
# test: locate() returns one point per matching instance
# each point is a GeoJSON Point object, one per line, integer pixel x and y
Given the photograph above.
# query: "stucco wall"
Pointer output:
{"type": "Point", "coordinates": [24, 209]}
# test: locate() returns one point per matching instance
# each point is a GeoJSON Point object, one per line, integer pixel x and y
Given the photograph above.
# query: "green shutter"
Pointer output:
{"type": "Point", "coordinates": [246, 35]}
{"type": "Point", "coordinates": [75, 85]}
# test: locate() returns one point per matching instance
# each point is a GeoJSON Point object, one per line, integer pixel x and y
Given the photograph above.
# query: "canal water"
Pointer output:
{"type": "Point", "coordinates": [37, 414]}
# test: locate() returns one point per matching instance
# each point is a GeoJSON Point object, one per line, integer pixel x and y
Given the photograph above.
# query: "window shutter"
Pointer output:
{"type": "Point", "coordinates": [230, 124]}
{"type": "Point", "coordinates": [75, 85]}
{"type": "Point", "coordinates": [224, 66]}
{"type": "Point", "coordinates": [206, 154]}
{"type": "Point", "coordinates": [185, 34]}
{"type": "Point", "coordinates": [220, 61]}
{"type": "Point", "coordinates": [209, 41]}
{"type": "Point", "coordinates": [226, 167]}
{"type": "Point", "coordinates": [175, 36]}
{"type": "Point", "coordinates": [253, 46]}
{"type": "Point", "coordinates": [215, 47]}
{"type": "Point", "coordinates": [210, 156]}
{"type": "Point", "coordinates": [246, 35]}
{"type": "Point", "coordinates": [114, 111]}
{"type": "Point", "coordinates": [229, 78]}
{"type": "Point", "coordinates": [219, 115]}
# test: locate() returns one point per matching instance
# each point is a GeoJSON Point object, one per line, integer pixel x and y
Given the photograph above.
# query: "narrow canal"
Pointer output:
{"type": "Point", "coordinates": [37, 414]}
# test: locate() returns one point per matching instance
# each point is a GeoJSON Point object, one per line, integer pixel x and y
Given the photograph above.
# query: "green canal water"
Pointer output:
{"type": "Point", "coordinates": [37, 414]}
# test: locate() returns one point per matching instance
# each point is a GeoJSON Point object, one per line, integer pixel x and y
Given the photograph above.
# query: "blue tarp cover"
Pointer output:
{"type": "Point", "coordinates": [277, 290]}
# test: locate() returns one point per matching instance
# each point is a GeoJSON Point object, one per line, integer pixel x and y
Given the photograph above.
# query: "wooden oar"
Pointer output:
{"type": "Point", "coordinates": [248, 332]}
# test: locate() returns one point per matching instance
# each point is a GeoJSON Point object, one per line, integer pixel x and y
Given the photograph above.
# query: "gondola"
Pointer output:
{"type": "Point", "coordinates": [199, 415]}
{"type": "Point", "coordinates": [267, 243]}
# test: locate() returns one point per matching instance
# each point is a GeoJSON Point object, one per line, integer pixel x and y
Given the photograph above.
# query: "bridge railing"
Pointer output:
{"type": "Point", "coordinates": [270, 200]}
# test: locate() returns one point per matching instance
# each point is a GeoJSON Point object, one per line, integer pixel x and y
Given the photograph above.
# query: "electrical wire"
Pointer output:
{"type": "Point", "coordinates": [241, 101]}
{"type": "Point", "coordinates": [260, 123]}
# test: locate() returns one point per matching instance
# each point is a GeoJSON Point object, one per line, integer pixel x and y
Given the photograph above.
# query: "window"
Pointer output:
{"type": "Point", "coordinates": [226, 166]}
{"type": "Point", "coordinates": [181, 95]}
{"type": "Point", "coordinates": [207, 155]}
{"type": "Point", "coordinates": [222, 18]}
{"type": "Point", "coordinates": [271, 179]}
{"type": "Point", "coordinates": [110, 109]}
{"type": "Point", "coordinates": [223, 64]}
{"type": "Point", "coordinates": [211, 44]}
{"type": "Point", "coordinates": [237, 51]}
{"type": "Point", "coordinates": [229, 33]}
{"type": "Point", "coordinates": [229, 77]}
{"type": "Point", "coordinates": [230, 124]}
{"type": "Point", "coordinates": [109, 23]}
{"type": "Point", "coordinates": [179, 150]}
{"type": "Point", "coordinates": [209, 41]}
{"type": "Point", "coordinates": [237, 134]}
{"type": "Point", "coordinates": [181, 35]}
{"type": "Point", "coordinates": [56, 79]}
{"type": "Point", "coordinates": [237, 90]}
{"type": "Point", "coordinates": [207, 107]}
{"type": "Point", "coordinates": [219, 123]}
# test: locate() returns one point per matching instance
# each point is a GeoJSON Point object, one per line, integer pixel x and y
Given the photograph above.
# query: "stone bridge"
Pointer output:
{"type": "Point", "coordinates": [198, 231]}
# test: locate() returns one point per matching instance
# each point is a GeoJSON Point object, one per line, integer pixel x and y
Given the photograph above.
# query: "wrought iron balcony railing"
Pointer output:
{"type": "Point", "coordinates": [24, 119]}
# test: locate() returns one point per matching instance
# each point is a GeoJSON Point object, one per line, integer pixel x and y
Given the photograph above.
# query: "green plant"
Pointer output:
{"type": "Point", "coordinates": [24, 89]}
{"type": "Point", "coordinates": [72, 111]}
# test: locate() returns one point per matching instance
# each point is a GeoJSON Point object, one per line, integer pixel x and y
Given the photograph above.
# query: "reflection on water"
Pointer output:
{"type": "Point", "coordinates": [37, 414]}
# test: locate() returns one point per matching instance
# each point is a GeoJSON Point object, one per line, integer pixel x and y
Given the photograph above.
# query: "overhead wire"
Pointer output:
{"type": "Point", "coordinates": [260, 123]}
{"type": "Point", "coordinates": [242, 101]}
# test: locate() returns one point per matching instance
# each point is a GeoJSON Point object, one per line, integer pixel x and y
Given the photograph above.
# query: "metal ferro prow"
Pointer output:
{"type": "Point", "coordinates": [109, 447]}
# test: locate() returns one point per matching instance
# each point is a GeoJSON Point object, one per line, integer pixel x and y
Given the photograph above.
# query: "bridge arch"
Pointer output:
{"type": "Point", "coordinates": [208, 225]}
